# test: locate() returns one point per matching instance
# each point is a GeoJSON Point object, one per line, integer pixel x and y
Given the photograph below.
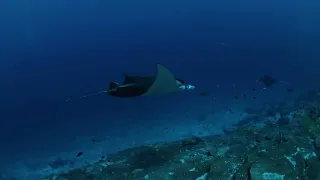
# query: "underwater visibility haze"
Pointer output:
{"type": "Point", "coordinates": [241, 56]}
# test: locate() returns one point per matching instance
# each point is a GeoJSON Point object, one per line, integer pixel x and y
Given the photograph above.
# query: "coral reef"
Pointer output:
{"type": "Point", "coordinates": [286, 147]}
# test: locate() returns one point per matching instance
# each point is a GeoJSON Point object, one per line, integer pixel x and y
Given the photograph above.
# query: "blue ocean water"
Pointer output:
{"type": "Point", "coordinates": [55, 50]}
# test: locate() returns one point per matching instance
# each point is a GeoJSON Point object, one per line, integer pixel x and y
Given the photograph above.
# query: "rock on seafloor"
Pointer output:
{"type": "Point", "coordinates": [272, 151]}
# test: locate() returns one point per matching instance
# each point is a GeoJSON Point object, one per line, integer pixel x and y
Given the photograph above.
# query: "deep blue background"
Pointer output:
{"type": "Point", "coordinates": [51, 50]}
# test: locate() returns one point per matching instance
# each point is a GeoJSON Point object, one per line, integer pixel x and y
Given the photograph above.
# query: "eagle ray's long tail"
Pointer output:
{"type": "Point", "coordinates": [89, 95]}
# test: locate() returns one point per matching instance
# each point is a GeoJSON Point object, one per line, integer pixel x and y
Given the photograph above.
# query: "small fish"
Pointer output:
{"type": "Point", "coordinates": [236, 97]}
{"type": "Point", "coordinates": [79, 154]}
{"type": "Point", "coordinates": [244, 95]}
{"type": "Point", "coordinates": [93, 140]}
{"type": "Point", "coordinates": [290, 90]}
{"type": "Point", "coordinates": [267, 80]}
{"type": "Point", "coordinates": [265, 89]}
{"type": "Point", "coordinates": [204, 94]}
{"type": "Point", "coordinates": [209, 153]}
{"type": "Point", "coordinates": [254, 97]}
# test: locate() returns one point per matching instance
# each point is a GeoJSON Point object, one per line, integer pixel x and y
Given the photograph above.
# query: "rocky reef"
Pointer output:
{"type": "Point", "coordinates": [281, 142]}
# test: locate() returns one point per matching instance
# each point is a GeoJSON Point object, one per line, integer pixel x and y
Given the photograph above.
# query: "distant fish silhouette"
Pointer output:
{"type": "Point", "coordinates": [268, 81]}
{"type": "Point", "coordinates": [204, 94]}
{"type": "Point", "coordinates": [79, 154]}
{"type": "Point", "coordinates": [290, 90]}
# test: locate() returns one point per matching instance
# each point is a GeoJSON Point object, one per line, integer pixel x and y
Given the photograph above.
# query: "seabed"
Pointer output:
{"type": "Point", "coordinates": [277, 142]}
